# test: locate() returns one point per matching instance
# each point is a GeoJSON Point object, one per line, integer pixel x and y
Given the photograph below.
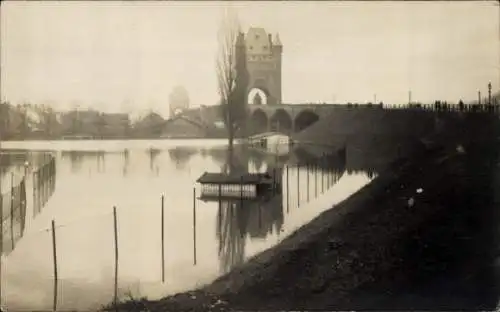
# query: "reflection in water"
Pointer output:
{"type": "Point", "coordinates": [76, 161]}
{"type": "Point", "coordinates": [181, 156]}
{"type": "Point", "coordinates": [153, 154]}
{"type": "Point", "coordinates": [101, 161]}
{"type": "Point", "coordinates": [77, 158]}
{"type": "Point", "coordinates": [14, 202]}
{"type": "Point", "coordinates": [242, 228]}
{"type": "Point", "coordinates": [238, 220]}
{"type": "Point", "coordinates": [126, 161]}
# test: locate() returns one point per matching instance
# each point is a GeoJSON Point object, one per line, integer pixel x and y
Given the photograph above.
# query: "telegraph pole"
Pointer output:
{"type": "Point", "coordinates": [409, 97]}
{"type": "Point", "coordinates": [479, 97]}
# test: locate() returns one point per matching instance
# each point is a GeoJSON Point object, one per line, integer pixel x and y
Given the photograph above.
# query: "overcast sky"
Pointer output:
{"type": "Point", "coordinates": [115, 56]}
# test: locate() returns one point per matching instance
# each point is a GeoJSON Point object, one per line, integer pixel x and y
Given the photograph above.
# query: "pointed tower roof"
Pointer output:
{"type": "Point", "coordinates": [277, 41]}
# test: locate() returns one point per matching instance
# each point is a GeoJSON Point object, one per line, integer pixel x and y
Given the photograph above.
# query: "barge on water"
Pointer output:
{"type": "Point", "coordinates": [247, 186]}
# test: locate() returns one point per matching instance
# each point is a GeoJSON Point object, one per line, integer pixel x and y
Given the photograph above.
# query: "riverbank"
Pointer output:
{"type": "Point", "coordinates": [376, 250]}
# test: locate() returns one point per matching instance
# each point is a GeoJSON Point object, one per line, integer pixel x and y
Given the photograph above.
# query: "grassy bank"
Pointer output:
{"type": "Point", "coordinates": [374, 250]}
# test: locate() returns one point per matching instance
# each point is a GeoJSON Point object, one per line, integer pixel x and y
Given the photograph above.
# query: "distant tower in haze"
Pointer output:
{"type": "Point", "coordinates": [178, 101]}
{"type": "Point", "coordinates": [263, 55]}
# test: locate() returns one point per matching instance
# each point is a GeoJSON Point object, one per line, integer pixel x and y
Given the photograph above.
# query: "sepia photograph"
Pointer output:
{"type": "Point", "coordinates": [249, 156]}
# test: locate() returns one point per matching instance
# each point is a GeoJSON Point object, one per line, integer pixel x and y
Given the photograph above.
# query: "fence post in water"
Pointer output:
{"type": "Point", "coordinates": [241, 188]}
{"type": "Point", "coordinates": [116, 257]}
{"type": "Point", "coordinates": [1, 241]}
{"type": "Point", "coordinates": [307, 173]}
{"type": "Point", "coordinates": [323, 174]}
{"type": "Point", "coordinates": [194, 226]}
{"type": "Point", "coordinates": [54, 253]}
{"type": "Point", "coordinates": [163, 238]}
{"type": "Point", "coordinates": [12, 209]}
{"type": "Point", "coordinates": [274, 180]}
{"type": "Point", "coordinates": [220, 206]}
{"type": "Point", "coordinates": [287, 191]}
{"type": "Point", "coordinates": [298, 185]}
{"type": "Point", "coordinates": [315, 180]}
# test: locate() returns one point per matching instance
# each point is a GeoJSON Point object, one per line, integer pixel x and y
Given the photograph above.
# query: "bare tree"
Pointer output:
{"type": "Point", "coordinates": [231, 73]}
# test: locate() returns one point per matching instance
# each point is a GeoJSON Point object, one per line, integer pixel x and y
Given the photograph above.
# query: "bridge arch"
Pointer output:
{"type": "Point", "coordinates": [305, 119]}
{"type": "Point", "coordinates": [281, 121]}
{"type": "Point", "coordinates": [258, 96]}
{"type": "Point", "coordinates": [258, 122]}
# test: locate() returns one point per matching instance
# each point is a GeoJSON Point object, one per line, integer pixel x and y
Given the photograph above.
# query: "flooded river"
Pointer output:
{"type": "Point", "coordinates": [93, 177]}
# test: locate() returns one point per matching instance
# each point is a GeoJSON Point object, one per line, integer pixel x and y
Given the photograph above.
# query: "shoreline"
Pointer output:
{"type": "Point", "coordinates": [239, 288]}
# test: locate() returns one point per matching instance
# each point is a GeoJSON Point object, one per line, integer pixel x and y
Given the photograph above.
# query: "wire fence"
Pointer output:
{"type": "Point", "coordinates": [13, 216]}
{"type": "Point", "coordinates": [298, 185]}
{"type": "Point", "coordinates": [13, 203]}
{"type": "Point", "coordinates": [44, 183]}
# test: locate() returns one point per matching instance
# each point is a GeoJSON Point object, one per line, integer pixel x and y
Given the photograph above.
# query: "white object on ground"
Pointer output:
{"type": "Point", "coordinates": [411, 202]}
{"type": "Point", "coordinates": [420, 190]}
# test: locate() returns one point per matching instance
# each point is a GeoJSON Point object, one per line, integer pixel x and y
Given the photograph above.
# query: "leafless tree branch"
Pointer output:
{"type": "Point", "coordinates": [226, 69]}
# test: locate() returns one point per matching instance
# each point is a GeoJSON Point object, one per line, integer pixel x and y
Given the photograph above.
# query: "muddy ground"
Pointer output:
{"type": "Point", "coordinates": [375, 251]}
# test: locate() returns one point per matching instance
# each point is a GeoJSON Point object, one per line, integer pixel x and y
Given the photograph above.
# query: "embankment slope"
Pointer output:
{"type": "Point", "coordinates": [374, 251]}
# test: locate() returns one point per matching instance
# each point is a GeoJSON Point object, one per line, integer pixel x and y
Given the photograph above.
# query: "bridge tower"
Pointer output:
{"type": "Point", "coordinates": [263, 55]}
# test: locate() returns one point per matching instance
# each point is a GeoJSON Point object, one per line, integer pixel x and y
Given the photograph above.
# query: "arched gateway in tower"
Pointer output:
{"type": "Point", "coordinates": [263, 64]}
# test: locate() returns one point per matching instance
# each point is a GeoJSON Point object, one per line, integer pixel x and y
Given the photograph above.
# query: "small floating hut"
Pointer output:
{"type": "Point", "coordinates": [273, 143]}
{"type": "Point", "coordinates": [247, 186]}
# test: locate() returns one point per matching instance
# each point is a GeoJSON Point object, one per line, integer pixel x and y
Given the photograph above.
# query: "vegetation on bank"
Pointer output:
{"type": "Point", "coordinates": [32, 121]}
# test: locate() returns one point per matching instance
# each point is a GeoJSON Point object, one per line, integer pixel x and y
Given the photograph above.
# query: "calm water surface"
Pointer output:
{"type": "Point", "coordinates": [93, 177]}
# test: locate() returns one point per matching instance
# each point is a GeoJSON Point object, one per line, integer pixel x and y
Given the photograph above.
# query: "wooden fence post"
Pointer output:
{"type": "Point", "coordinates": [307, 173]}
{"type": "Point", "coordinates": [194, 226]}
{"type": "Point", "coordinates": [323, 175]}
{"type": "Point", "coordinates": [12, 209]}
{"type": "Point", "coordinates": [298, 185]}
{"type": "Point", "coordinates": [1, 242]}
{"type": "Point", "coordinates": [162, 238]}
{"type": "Point", "coordinates": [115, 223]}
{"type": "Point", "coordinates": [220, 206]}
{"type": "Point", "coordinates": [315, 180]}
{"type": "Point", "coordinates": [54, 253]}
{"type": "Point", "coordinates": [287, 190]}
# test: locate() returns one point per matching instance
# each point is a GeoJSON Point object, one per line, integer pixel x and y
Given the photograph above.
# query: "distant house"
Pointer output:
{"type": "Point", "coordinates": [151, 125]}
{"type": "Point", "coordinates": [115, 125]}
{"type": "Point", "coordinates": [81, 122]}
{"type": "Point", "coordinates": [184, 127]}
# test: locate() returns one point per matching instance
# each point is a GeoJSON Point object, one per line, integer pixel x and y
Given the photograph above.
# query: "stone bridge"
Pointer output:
{"type": "Point", "coordinates": [285, 118]}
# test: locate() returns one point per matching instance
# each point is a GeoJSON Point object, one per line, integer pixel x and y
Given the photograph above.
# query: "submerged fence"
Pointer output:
{"type": "Point", "coordinates": [117, 231]}
{"type": "Point", "coordinates": [13, 215]}
{"type": "Point", "coordinates": [13, 203]}
{"type": "Point", "coordinates": [44, 182]}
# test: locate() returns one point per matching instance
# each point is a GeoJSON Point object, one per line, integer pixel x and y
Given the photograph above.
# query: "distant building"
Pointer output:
{"type": "Point", "coordinates": [115, 125]}
{"type": "Point", "coordinates": [80, 122]}
{"type": "Point", "coordinates": [151, 125]}
{"type": "Point", "coordinates": [182, 127]}
{"type": "Point", "coordinates": [178, 101]}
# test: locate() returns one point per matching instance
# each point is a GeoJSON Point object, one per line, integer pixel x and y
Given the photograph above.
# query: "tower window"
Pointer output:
{"type": "Point", "coordinates": [251, 48]}
{"type": "Point", "coordinates": [256, 36]}
{"type": "Point", "coordinates": [265, 47]}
